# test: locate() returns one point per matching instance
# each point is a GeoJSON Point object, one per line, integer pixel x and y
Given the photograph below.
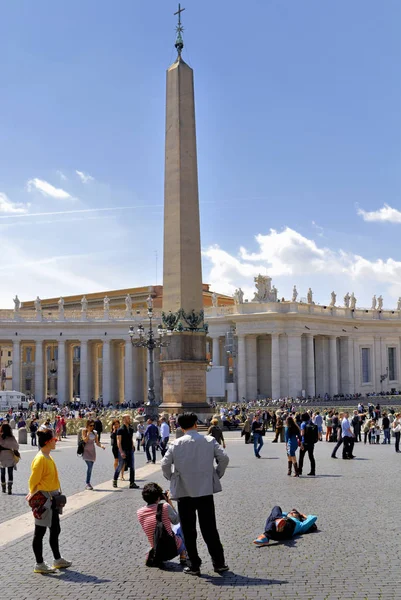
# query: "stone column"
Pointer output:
{"type": "Point", "coordinates": [241, 368]}
{"type": "Point", "coordinates": [106, 384]}
{"type": "Point", "coordinates": [128, 373]}
{"type": "Point", "coordinates": [251, 367]}
{"type": "Point", "coordinates": [351, 366]}
{"type": "Point", "coordinates": [95, 371]}
{"type": "Point", "coordinates": [275, 366]}
{"type": "Point", "coordinates": [310, 365]}
{"type": "Point", "coordinates": [294, 365]}
{"type": "Point", "coordinates": [16, 366]}
{"type": "Point", "coordinates": [39, 389]}
{"type": "Point", "coordinates": [61, 374]}
{"type": "Point", "coordinates": [121, 372]}
{"type": "Point", "coordinates": [377, 362]}
{"type": "Point", "coordinates": [46, 390]}
{"type": "Point", "coordinates": [216, 351]}
{"type": "Point", "coordinates": [333, 365]}
{"type": "Point", "coordinates": [70, 371]}
{"type": "Point", "coordinates": [83, 373]}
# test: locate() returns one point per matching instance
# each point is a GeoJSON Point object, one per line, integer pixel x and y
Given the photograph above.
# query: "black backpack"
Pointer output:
{"type": "Point", "coordinates": [311, 435]}
{"type": "Point", "coordinates": [164, 544]}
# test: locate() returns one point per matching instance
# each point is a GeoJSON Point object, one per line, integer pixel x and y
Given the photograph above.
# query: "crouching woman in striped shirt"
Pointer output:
{"type": "Point", "coordinates": [153, 495]}
{"type": "Point", "coordinates": [44, 484]}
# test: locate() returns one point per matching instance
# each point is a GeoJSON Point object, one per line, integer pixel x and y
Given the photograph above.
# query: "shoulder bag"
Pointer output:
{"type": "Point", "coordinates": [164, 544]}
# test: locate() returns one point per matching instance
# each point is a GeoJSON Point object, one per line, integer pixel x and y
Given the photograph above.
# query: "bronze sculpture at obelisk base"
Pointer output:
{"type": "Point", "coordinates": [183, 363]}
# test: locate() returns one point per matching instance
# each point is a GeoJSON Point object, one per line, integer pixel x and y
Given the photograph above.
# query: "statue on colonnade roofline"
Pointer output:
{"type": "Point", "coordinates": [215, 300]}
{"type": "Point", "coordinates": [399, 303]}
{"type": "Point", "coordinates": [17, 303]}
{"type": "Point", "coordinates": [106, 303]}
{"type": "Point", "coordinates": [309, 296]}
{"type": "Point", "coordinates": [37, 304]}
{"type": "Point", "coordinates": [294, 294]}
{"type": "Point", "coordinates": [61, 303]}
{"type": "Point", "coordinates": [84, 304]}
{"type": "Point", "coordinates": [238, 296]}
{"type": "Point", "coordinates": [333, 299]}
{"type": "Point", "coordinates": [128, 303]}
{"type": "Point", "coordinates": [374, 302]}
{"type": "Point", "coordinates": [264, 291]}
{"type": "Point", "coordinates": [346, 300]}
{"type": "Point", "coordinates": [380, 302]}
{"type": "Point", "coordinates": [353, 301]}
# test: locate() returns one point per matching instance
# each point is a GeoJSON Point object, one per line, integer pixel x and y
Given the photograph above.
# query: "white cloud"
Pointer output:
{"type": "Point", "coordinates": [12, 208]}
{"type": "Point", "coordinates": [84, 177]}
{"type": "Point", "coordinates": [61, 175]}
{"type": "Point", "coordinates": [47, 189]}
{"type": "Point", "coordinates": [384, 214]}
{"type": "Point", "coordinates": [291, 256]}
{"type": "Point", "coordinates": [319, 229]}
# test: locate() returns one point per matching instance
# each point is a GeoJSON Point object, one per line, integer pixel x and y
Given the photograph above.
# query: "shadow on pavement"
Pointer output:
{"type": "Point", "coordinates": [76, 577]}
{"type": "Point", "coordinates": [229, 578]}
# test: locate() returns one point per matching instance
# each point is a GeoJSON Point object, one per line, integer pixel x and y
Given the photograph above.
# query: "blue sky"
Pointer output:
{"type": "Point", "coordinates": [299, 144]}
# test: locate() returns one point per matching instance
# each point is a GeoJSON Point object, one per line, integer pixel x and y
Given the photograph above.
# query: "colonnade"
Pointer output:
{"type": "Point", "coordinates": [278, 364]}
{"type": "Point", "coordinates": [111, 369]}
{"type": "Point", "coordinates": [296, 363]}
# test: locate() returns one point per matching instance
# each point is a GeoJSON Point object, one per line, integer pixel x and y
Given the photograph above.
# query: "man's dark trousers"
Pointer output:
{"type": "Point", "coordinates": [151, 445]}
{"type": "Point", "coordinates": [308, 448]}
{"type": "Point", "coordinates": [348, 446]}
{"type": "Point", "coordinates": [336, 447]}
{"type": "Point", "coordinates": [204, 506]}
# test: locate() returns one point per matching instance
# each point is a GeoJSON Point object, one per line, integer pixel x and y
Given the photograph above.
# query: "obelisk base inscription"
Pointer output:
{"type": "Point", "coordinates": [184, 388]}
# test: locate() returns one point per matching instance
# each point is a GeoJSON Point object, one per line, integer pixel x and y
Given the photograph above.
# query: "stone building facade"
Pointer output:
{"type": "Point", "coordinates": [270, 349]}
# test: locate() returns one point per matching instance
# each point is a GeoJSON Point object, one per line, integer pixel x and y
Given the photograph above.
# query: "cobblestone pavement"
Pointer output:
{"type": "Point", "coordinates": [72, 471]}
{"type": "Point", "coordinates": [355, 554]}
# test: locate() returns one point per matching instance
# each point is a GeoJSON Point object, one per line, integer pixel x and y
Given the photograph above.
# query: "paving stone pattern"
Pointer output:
{"type": "Point", "coordinates": [72, 473]}
{"type": "Point", "coordinates": [355, 554]}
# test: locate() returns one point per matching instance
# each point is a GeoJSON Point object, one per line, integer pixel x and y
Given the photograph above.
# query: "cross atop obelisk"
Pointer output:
{"type": "Point", "coordinates": [179, 42]}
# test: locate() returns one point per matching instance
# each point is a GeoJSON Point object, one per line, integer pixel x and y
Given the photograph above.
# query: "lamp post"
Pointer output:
{"type": "Point", "coordinates": [149, 341]}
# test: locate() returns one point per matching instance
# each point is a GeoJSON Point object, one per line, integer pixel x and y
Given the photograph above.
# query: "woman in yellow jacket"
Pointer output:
{"type": "Point", "coordinates": [44, 479]}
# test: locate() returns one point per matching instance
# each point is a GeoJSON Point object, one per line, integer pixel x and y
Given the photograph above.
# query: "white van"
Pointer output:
{"type": "Point", "coordinates": [12, 399]}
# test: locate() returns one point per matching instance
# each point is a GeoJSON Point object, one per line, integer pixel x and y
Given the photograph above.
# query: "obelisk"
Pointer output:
{"type": "Point", "coordinates": [183, 362]}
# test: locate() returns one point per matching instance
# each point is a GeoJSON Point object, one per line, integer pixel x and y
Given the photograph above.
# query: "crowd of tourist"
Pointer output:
{"type": "Point", "coordinates": [192, 456]}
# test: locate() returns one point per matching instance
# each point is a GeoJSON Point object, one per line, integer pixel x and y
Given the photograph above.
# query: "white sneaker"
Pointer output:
{"type": "Point", "coordinates": [43, 568]}
{"type": "Point", "coordinates": [61, 563]}
{"type": "Point", "coordinates": [88, 486]}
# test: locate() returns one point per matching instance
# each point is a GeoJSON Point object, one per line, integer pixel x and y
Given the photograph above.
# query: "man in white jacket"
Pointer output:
{"type": "Point", "coordinates": [193, 482]}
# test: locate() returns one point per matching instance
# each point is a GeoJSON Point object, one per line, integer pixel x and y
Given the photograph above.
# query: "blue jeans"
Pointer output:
{"type": "Point", "coordinates": [129, 460]}
{"type": "Point", "coordinates": [89, 465]}
{"type": "Point", "coordinates": [257, 443]}
{"type": "Point", "coordinates": [386, 436]}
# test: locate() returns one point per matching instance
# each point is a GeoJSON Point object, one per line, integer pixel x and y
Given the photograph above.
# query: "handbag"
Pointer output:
{"type": "Point", "coordinates": [37, 502]}
{"type": "Point", "coordinates": [80, 448]}
{"type": "Point", "coordinates": [17, 456]}
{"type": "Point", "coordinates": [164, 544]}
{"type": "Point", "coordinates": [58, 502]}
